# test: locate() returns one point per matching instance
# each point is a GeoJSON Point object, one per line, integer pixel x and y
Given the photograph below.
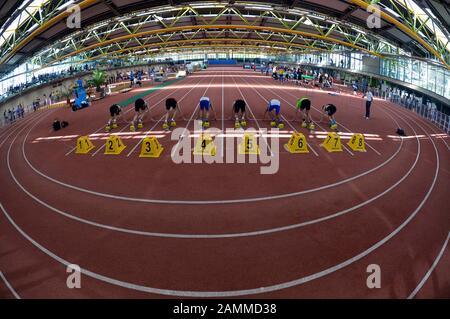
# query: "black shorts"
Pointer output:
{"type": "Point", "coordinates": [239, 105]}
{"type": "Point", "coordinates": [305, 105]}
{"type": "Point", "coordinates": [171, 103]}
{"type": "Point", "coordinates": [331, 109]}
{"type": "Point", "coordinates": [114, 110]}
{"type": "Point", "coordinates": [139, 105]}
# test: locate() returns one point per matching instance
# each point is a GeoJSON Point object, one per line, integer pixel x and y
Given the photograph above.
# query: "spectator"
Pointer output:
{"type": "Point", "coordinates": [11, 116]}
{"type": "Point", "coordinates": [433, 112]}
{"type": "Point", "coordinates": [355, 87]}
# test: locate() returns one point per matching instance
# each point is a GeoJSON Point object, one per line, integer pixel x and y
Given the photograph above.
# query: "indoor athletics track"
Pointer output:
{"type": "Point", "coordinates": [149, 228]}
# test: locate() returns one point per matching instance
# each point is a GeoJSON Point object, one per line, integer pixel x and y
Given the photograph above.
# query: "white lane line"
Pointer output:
{"type": "Point", "coordinates": [365, 142]}
{"type": "Point", "coordinates": [11, 289]}
{"type": "Point", "coordinates": [425, 121]}
{"type": "Point", "coordinates": [156, 201]}
{"type": "Point", "coordinates": [233, 235]}
{"type": "Point", "coordinates": [10, 127]}
{"type": "Point", "coordinates": [182, 136]}
{"type": "Point", "coordinates": [267, 101]}
{"type": "Point", "coordinates": [17, 123]}
{"type": "Point", "coordinates": [254, 117]}
{"type": "Point", "coordinates": [236, 292]}
{"type": "Point", "coordinates": [411, 118]}
{"type": "Point", "coordinates": [96, 131]}
{"type": "Point", "coordinates": [223, 121]}
{"type": "Point", "coordinates": [207, 202]}
{"type": "Point", "coordinates": [126, 124]}
{"type": "Point", "coordinates": [13, 129]}
{"type": "Point", "coordinates": [433, 266]}
{"type": "Point", "coordinates": [103, 145]}
{"type": "Point", "coordinates": [99, 129]}
{"type": "Point", "coordinates": [149, 109]}
{"type": "Point", "coordinates": [145, 135]}
{"type": "Point", "coordinates": [151, 129]}
{"type": "Point", "coordinates": [295, 130]}
{"type": "Point", "coordinates": [411, 115]}
{"type": "Point", "coordinates": [293, 106]}
{"type": "Point", "coordinates": [244, 292]}
{"type": "Point", "coordinates": [284, 118]}
{"type": "Point", "coordinates": [213, 236]}
{"type": "Point", "coordinates": [378, 153]}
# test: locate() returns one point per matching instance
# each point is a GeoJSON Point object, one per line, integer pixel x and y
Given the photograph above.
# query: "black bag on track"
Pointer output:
{"type": "Point", "coordinates": [401, 132]}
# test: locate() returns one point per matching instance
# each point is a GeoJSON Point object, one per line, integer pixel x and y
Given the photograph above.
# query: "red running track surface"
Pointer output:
{"type": "Point", "coordinates": [150, 228]}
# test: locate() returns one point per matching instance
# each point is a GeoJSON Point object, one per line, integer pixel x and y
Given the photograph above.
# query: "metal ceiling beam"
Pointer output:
{"type": "Point", "coordinates": [219, 27]}
{"type": "Point", "coordinates": [183, 14]}
{"type": "Point", "coordinates": [405, 29]}
{"type": "Point", "coordinates": [183, 43]}
{"type": "Point", "coordinates": [185, 47]}
{"type": "Point", "coordinates": [12, 14]}
{"type": "Point", "coordinates": [292, 3]}
{"type": "Point", "coordinates": [17, 47]}
{"type": "Point", "coordinates": [112, 7]}
{"type": "Point", "coordinates": [45, 26]}
{"type": "Point", "coordinates": [348, 12]}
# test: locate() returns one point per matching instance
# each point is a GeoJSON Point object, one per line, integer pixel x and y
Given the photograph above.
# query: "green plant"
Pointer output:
{"type": "Point", "coordinates": [98, 78]}
{"type": "Point", "coordinates": [90, 83]}
{"type": "Point", "coordinates": [66, 91]}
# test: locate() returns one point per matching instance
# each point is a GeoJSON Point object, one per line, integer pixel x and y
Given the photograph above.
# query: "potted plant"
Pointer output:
{"type": "Point", "coordinates": [98, 78]}
{"type": "Point", "coordinates": [66, 92]}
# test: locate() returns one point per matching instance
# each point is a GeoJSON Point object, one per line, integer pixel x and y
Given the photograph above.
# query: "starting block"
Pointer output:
{"type": "Point", "coordinates": [332, 143]}
{"type": "Point", "coordinates": [84, 145]}
{"type": "Point", "coordinates": [205, 146]}
{"type": "Point", "coordinates": [114, 145]}
{"type": "Point", "coordinates": [297, 144]}
{"type": "Point", "coordinates": [357, 143]}
{"type": "Point", "coordinates": [151, 147]}
{"type": "Point", "coordinates": [249, 145]}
